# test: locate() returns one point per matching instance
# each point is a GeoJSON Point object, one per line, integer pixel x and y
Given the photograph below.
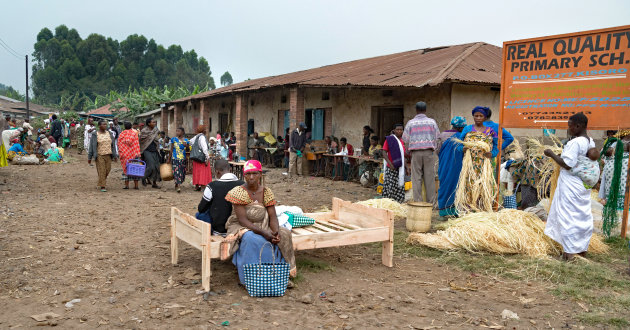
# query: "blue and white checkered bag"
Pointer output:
{"type": "Point", "coordinates": [509, 202]}
{"type": "Point", "coordinates": [266, 279]}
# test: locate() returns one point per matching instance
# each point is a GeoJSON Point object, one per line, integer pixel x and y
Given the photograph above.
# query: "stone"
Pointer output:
{"type": "Point", "coordinates": [307, 298]}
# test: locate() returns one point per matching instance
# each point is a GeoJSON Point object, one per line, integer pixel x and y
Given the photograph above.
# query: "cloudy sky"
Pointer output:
{"type": "Point", "coordinates": [253, 39]}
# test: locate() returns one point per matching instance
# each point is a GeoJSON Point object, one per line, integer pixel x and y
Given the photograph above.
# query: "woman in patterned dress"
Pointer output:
{"type": "Point", "coordinates": [179, 144]}
{"type": "Point", "coordinates": [128, 148]}
{"type": "Point", "coordinates": [472, 133]}
{"type": "Point", "coordinates": [253, 223]}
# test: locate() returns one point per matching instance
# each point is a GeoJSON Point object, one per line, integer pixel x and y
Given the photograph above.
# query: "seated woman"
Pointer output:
{"type": "Point", "coordinates": [53, 155]}
{"type": "Point", "coordinates": [375, 148]}
{"type": "Point", "coordinates": [253, 223]}
{"type": "Point", "coordinates": [15, 150]}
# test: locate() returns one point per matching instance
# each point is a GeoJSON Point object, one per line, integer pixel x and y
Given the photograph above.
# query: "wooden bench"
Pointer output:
{"type": "Point", "coordinates": [346, 224]}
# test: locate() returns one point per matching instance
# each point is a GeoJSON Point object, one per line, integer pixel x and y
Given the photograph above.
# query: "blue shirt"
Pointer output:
{"type": "Point", "coordinates": [507, 137]}
{"type": "Point", "coordinates": [16, 148]}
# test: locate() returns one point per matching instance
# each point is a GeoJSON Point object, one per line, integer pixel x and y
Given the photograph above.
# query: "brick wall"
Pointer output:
{"type": "Point", "coordinates": [327, 122]}
{"type": "Point", "coordinates": [296, 107]}
{"type": "Point", "coordinates": [241, 104]}
{"type": "Point", "coordinates": [164, 120]}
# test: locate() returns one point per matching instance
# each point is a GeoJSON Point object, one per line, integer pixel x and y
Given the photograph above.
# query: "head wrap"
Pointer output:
{"type": "Point", "coordinates": [53, 145]}
{"type": "Point", "coordinates": [458, 122]}
{"type": "Point", "coordinates": [483, 110]}
{"type": "Point", "coordinates": [15, 141]}
{"type": "Point", "coordinates": [252, 166]}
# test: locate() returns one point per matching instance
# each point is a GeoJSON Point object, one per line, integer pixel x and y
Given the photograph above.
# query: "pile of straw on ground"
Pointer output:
{"type": "Point", "coordinates": [505, 232]}
{"type": "Point", "coordinates": [386, 203]}
{"type": "Point", "coordinates": [474, 192]}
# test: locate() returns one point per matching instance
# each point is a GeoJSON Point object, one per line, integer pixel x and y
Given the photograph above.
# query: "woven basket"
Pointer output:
{"type": "Point", "coordinates": [166, 172]}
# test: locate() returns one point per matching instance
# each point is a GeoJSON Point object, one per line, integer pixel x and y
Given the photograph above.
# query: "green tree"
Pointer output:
{"type": "Point", "coordinates": [68, 70]}
{"type": "Point", "coordinates": [149, 78]}
{"type": "Point", "coordinates": [226, 79]}
{"type": "Point", "coordinates": [10, 92]}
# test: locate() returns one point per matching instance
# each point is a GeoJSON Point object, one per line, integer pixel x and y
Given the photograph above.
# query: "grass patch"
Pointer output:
{"type": "Point", "coordinates": [598, 319]}
{"type": "Point", "coordinates": [600, 281]}
{"type": "Point", "coordinates": [314, 266]}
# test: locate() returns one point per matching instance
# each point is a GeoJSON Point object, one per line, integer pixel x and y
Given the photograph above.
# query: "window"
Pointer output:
{"type": "Point", "coordinates": [250, 127]}
{"type": "Point", "coordinates": [325, 96]}
{"type": "Point", "coordinates": [388, 92]}
{"type": "Point", "coordinates": [314, 119]}
{"type": "Point", "coordinates": [223, 123]}
{"type": "Point", "coordinates": [283, 99]}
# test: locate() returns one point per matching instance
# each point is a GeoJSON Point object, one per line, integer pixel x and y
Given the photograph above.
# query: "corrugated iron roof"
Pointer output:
{"type": "Point", "coordinates": [475, 62]}
{"type": "Point", "coordinates": [106, 110]}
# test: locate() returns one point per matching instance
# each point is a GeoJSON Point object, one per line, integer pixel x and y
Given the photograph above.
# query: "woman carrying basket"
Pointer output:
{"type": "Point", "coordinates": [128, 148]}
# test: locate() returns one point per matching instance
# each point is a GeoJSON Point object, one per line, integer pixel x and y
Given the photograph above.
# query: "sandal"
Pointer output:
{"type": "Point", "coordinates": [125, 188]}
{"type": "Point", "coordinates": [155, 186]}
{"type": "Point", "coordinates": [179, 190]}
{"type": "Point", "coordinates": [103, 190]}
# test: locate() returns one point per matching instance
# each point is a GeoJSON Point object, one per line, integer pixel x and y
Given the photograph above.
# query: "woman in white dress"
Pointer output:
{"type": "Point", "coordinates": [570, 221]}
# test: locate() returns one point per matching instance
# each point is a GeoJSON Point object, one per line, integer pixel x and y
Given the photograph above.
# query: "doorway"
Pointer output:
{"type": "Point", "coordinates": [223, 123]}
{"type": "Point", "coordinates": [384, 119]}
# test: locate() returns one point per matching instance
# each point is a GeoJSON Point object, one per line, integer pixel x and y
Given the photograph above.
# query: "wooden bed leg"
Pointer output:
{"type": "Point", "coordinates": [206, 271]}
{"type": "Point", "coordinates": [388, 253]}
{"type": "Point", "coordinates": [174, 239]}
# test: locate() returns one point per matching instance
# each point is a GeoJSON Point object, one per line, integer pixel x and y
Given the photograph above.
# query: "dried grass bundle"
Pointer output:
{"type": "Point", "coordinates": [514, 150]}
{"type": "Point", "coordinates": [505, 232]}
{"type": "Point", "coordinates": [475, 193]}
{"type": "Point", "coordinates": [386, 203]}
{"type": "Point", "coordinates": [549, 169]}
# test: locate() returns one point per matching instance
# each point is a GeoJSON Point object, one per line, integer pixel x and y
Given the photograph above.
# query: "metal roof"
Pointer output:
{"type": "Point", "coordinates": [474, 62]}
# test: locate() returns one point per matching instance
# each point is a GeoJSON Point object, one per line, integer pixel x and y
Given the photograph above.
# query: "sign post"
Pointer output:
{"type": "Point", "coordinates": [546, 80]}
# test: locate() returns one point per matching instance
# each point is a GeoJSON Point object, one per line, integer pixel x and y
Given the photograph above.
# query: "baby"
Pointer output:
{"type": "Point", "coordinates": [587, 168]}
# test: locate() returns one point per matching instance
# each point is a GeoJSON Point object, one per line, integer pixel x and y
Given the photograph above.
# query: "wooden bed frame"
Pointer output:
{"type": "Point", "coordinates": [346, 224]}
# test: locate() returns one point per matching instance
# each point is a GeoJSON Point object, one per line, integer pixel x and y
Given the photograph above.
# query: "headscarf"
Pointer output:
{"type": "Point", "coordinates": [15, 141]}
{"type": "Point", "coordinates": [53, 146]}
{"type": "Point", "coordinates": [458, 121]}
{"type": "Point", "coordinates": [252, 166]}
{"type": "Point", "coordinates": [482, 110]}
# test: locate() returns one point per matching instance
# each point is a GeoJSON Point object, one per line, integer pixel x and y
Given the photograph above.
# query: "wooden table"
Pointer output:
{"type": "Point", "coordinates": [318, 163]}
{"type": "Point", "coordinates": [237, 168]}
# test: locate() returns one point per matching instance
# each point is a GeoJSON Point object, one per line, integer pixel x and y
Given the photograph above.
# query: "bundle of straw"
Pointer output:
{"type": "Point", "coordinates": [388, 204]}
{"type": "Point", "coordinates": [505, 232]}
{"type": "Point", "coordinates": [475, 192]}
{"type": "Point", "coordinates": [549, 170]}
{"type": "Point", "coordinates": [514, 150]}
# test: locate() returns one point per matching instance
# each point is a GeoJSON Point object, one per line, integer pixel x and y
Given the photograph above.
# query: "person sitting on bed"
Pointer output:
{"type": "Point", "coordinates": [213, 207]}
{"type": "Point", "coordinates": [253, 223]}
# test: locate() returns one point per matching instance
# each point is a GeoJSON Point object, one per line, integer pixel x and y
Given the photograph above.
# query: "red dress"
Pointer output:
{"type": "Point", "coordinates": [201, 173]}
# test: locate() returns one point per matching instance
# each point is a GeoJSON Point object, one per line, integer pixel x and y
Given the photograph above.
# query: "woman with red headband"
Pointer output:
{"type": "Point", "coordinates": [254, 222]}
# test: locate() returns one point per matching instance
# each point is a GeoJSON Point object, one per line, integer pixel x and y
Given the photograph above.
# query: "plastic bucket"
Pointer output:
{"type": "Point", "coordinates": [419, 217]}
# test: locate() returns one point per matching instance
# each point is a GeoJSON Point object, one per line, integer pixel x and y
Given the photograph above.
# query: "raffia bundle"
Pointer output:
{"type": "Point", "coordinates": [505, 232]}
{"type": "Point", "coordinates": [386, 203]}
{"type": "Point", "coordinates": [475, 193]}
{"type": "Point", "coordinates": [549, 170]}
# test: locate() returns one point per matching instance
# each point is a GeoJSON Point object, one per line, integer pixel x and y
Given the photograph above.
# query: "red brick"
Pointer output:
{"type": "Point", "coordinates": [296, 107]}
{"type": "Point", "coordinates": [241, 113]}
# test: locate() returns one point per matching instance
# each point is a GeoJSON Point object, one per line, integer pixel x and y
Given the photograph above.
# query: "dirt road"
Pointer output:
{"type": "Point", "coordinates": [61, 239]}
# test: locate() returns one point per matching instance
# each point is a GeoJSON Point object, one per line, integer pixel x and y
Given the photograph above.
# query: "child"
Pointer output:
{"type": "Point", "coordinates": [587, 168]}
{"type": "Point", "coordinates": [570, 221]}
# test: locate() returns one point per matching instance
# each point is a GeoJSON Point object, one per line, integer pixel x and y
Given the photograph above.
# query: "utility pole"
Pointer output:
{"type": "Point", "coordinates": [28, 111]}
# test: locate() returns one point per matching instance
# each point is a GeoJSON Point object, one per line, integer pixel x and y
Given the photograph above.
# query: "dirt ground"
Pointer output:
{"type": "Point", "coordinates": [62, 239]}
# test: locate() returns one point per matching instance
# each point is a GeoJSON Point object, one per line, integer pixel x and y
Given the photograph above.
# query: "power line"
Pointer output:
{"type": "Point", "coordinates": [10, 50]}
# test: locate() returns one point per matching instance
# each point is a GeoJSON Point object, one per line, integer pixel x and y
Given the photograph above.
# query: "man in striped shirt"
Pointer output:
{"type": "Point", "coordinates": [420, 137]}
